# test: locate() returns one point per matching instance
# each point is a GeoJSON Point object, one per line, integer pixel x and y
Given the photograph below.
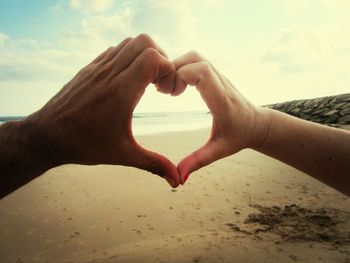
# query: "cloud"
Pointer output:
{"type": "Point", "coordinates": [171, 22]}
{"type": "Point", "coordinates": [303, 61]}
{"type": "Point", "coordinates": [91, 5]}
{"type": "Point", "coordinates": [313, 46]}
{"type": "Point", "coordinates": [3, 38]}
{"type": "Point", "coordinates": [28, 59]}
{"type": "Point", "coordinates": [31, 72]}
{"type": "Point", "coordinates": [108, 27]}
{"type": "Point", "coordinates": [307, 54]}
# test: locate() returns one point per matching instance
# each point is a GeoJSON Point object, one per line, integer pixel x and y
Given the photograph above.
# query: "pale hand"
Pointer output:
{"type": "Point", "coordinates": [237, 124]}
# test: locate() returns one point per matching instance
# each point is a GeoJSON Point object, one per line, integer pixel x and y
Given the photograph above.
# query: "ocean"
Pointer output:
{"type": "Point", "coordinates": [159, 122]}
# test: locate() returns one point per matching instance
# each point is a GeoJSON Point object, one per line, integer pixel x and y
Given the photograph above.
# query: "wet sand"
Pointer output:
{"type": "Point", "coordinates": [244, 208]}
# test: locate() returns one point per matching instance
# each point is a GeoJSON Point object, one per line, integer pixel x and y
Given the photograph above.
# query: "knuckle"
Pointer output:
{"type": "Point", "coordinates": [150, 58]}
{"type": "Point", "coordinates": [195, 55]}
{"type": "Point", "coordinates": [87, 70]}
{"type": "Point", "coordinates": [145, 39]}
{"type": "Point", "coordinates": [150, 54]}
{"type": "Point", "coordinates": [101, 73]}
{"type": "Point", "coordinates": [146, 65]}
{"type": "Point", "coordinates": [205, 68]}
{"type": "Point", "coordinates": [127, 39]}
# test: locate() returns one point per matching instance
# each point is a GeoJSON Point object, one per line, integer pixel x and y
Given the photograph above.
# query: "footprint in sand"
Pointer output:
{"type": "Point", "coordinates": [75, 234]}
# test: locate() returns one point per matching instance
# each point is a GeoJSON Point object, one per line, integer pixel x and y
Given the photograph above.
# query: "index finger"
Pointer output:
{"type": "Point", "coordinates": [147, 67]}
{"type": "Point", "coordinates": [189, 58]}
{"type": "Point", "coordinates": [132, 50]}
{"type": "Point", "coordinates": [207, 82]}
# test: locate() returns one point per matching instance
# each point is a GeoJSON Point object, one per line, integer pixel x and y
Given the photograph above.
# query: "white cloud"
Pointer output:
{"type": "Point", "coordinates": [31, 72]}
{"type": "Point", "coordinates": [171, 23]}
{"type": "Point", "coordinates": [91, 5]}
{"type": "Point", "coordinates": [3, 38]}
{"type": "Point", "coordinates": [26, 59]}
{"type": "Point", "coordinates": [26, 62]}
{"type": "Point", "coordinates": [304, 61]}
{"type": "Point", "coordinates": [108, 27]}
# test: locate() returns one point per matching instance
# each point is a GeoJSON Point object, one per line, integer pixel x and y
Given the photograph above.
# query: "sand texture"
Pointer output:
{"type": "Point", "coordinates": [244, 208]}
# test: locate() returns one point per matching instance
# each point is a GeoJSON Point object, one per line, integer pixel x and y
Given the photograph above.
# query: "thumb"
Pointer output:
{"type": "Point", "coordinates": [208, 153]}
{"type": "Point", "coordinates": [153, 162]}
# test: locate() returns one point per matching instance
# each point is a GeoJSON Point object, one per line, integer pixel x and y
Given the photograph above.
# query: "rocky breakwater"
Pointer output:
{"type": "Point", "coordinates": [332, 110]}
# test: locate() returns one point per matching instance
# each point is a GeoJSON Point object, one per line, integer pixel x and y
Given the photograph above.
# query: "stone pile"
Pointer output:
{"type": "Point", "coordinates": [332, 110]}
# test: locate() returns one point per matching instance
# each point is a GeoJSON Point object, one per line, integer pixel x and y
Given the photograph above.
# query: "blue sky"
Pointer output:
{"type": "Point", "coordinates": [272, 50]}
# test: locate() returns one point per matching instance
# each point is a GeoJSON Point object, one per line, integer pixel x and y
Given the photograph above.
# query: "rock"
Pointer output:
{"type": "Point", "coordinates": [334, 100]}
{"type": "Point", "coordinates": [346, 105]}
{"type": "Point", "coordinates": [299, 103]}
{"type": "Point", "coordinates": [345, 112]}
{"type": "Point", "coordinates": [331, 110]}
{"type": "Point", "coordinates": [339, 105]}
{"type": "Point", "coordinates": [310, 103]}
{"type": "Point", "coordinates": [330, 113]}
{"type": "Point", "coordinates": [332, 119]}
{"type": "Point", "coordinates": [295, 110]}
{"type": "Point", "coordinates": [305, 116]}
{"type": "Point", "coordinates": [347, 99]}
{"type": "Point", "coordinates": [344, 120]}
{"type": "Point", "coordinates": [319, 112]}
{"type": "Point", "coordinates": [308, 111]}
{"type": "Point", "coordinates": [344, 97]}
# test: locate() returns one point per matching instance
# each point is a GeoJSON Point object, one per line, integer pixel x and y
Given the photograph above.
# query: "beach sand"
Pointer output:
{"type": "Point", "coordinates": [244, 208]}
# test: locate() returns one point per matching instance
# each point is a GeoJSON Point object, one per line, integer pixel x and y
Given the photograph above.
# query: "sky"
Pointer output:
{"type": "Point", "coordinates": [271, 50]}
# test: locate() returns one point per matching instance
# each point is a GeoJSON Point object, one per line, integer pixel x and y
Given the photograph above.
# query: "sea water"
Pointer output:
{"type": "Point", "coordinates": [159, 122]}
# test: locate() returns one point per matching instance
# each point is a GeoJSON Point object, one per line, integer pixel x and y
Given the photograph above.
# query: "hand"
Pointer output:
{"type": "Point", "coordinates": [89, 120]}
{"type": "Point", "coordinates": [237, 124]}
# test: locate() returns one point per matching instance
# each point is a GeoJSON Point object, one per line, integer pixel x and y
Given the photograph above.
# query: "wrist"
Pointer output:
{"type": "Point", "coordinates": [32, 142]}
{"type": "Point", "coordinates": [261, 128]}
{"type": "Point", "coordinates": [24, 155]}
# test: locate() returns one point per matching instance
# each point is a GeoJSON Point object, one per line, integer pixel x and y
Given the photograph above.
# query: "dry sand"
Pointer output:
{"type": "Point", "coordinates": [245, 208]}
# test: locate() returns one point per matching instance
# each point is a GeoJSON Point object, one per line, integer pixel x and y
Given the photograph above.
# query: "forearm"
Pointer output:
{"type": "Point", "coordinates": [24, 155]}
{"type": "Point", "coordinates": [320, 151]}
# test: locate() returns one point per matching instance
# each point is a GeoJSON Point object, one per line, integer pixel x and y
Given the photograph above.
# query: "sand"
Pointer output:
{"type": "Point", "coordinates": [244, 208]}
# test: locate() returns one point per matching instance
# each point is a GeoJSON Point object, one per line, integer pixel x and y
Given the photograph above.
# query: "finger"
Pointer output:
{"type": "Point", "coordinates": [189, 58]}
{"type": "Point", "coordinates": [153, 162]}
{"type": "Point", "coordinates": [132, 50]}
{"type": "Point", "coordinates": [205, 155]}
{"type": "Point", "coordinates": [146, 68]}
{"type": "Point", "coordinates": [179, 87]}
{"type": "Point", "coordinates": [113, 52]}
{"type": "Point", "coordinates": [207, 82]}
{"type": "Point", "coordinates": [193, 57]}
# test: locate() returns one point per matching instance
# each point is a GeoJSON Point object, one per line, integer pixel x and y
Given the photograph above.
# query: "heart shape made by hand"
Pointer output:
{"type": "Point", "coordinates": [90, 120]}
{"type": "Point", "coordinates": [232, 128]}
